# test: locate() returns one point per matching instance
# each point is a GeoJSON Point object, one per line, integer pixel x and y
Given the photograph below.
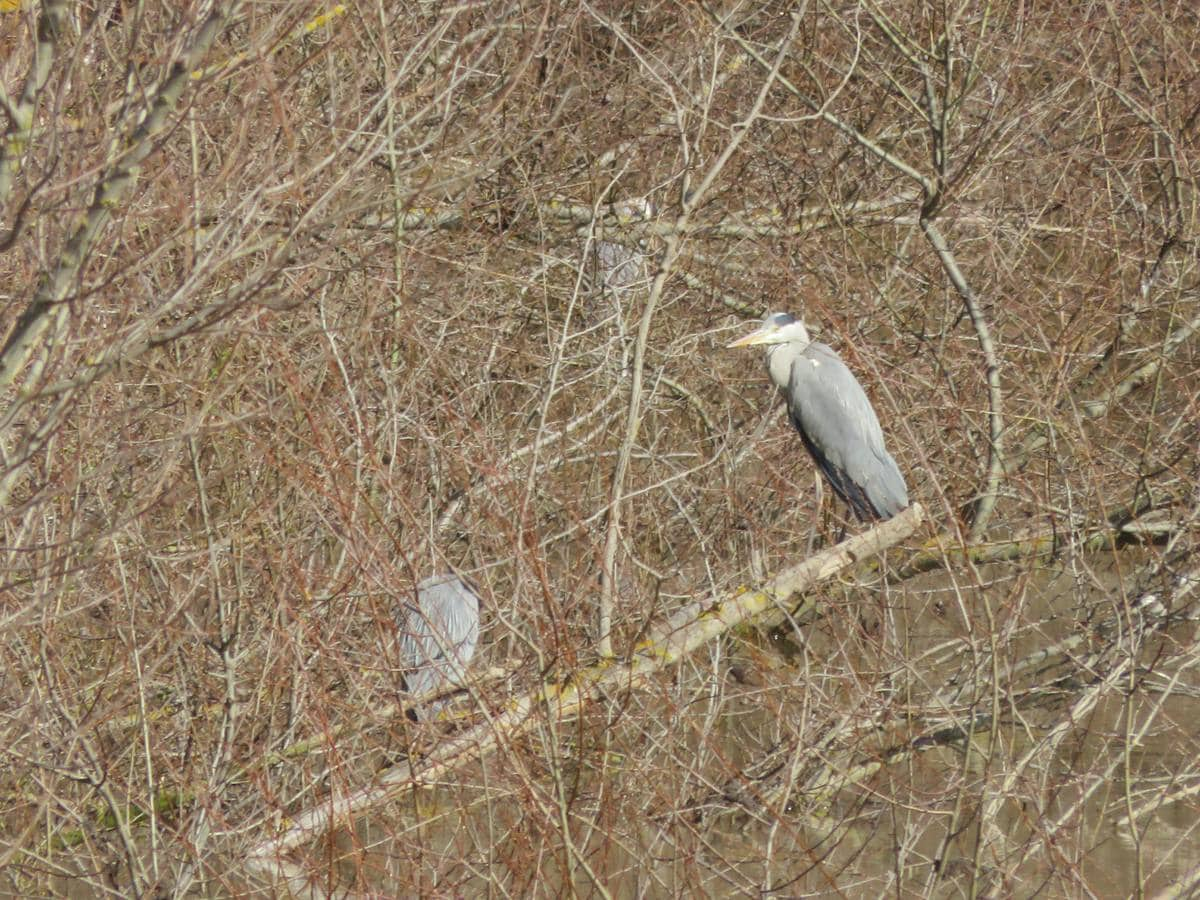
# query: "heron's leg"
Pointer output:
{"type": "Point", "coordinates": [829, 515]}
{"type": "Point", "coordinates": [819, 522]}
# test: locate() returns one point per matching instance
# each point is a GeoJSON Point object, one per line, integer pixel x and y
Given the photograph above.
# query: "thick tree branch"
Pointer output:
{"type": "Point", "coordinates": [20, 113]}
{"type": "Point", "coordinates": [112, 189]}
{"type": "Point", "coordinates": [690, 628]}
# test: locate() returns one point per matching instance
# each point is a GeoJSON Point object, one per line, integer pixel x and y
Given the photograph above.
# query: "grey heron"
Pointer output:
{"type": "Point", "coordinates": [835, 419]}
{"type": "Point", "coordinates": [618, 267]}
{"type": "Point", "coordinates": [438, 634]}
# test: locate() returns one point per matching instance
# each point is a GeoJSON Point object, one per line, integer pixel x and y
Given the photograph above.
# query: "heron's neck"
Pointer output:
{"type": "Point", "coordinates": [779, 363]}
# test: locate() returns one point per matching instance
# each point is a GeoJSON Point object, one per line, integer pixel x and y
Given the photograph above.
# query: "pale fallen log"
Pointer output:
{"type": "Point", "coordinates": [688, 629]}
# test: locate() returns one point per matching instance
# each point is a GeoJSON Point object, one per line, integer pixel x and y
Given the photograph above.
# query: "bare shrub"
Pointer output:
{"type": "Point", "coordinates": [304, 304]}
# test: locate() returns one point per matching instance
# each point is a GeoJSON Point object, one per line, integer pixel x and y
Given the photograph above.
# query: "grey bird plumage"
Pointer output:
{"type": "Point", "coordinates": [619, 267]}
{"type": "Point", "coordinates": [835, 419]}
{"type": "Point", "coordinates": [438, 634]}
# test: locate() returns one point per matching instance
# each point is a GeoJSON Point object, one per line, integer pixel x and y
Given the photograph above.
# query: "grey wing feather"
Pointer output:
{"type": "Point", "coordinates": [438, 635]}
{"type": "Point", "coordinates": [831, 410]}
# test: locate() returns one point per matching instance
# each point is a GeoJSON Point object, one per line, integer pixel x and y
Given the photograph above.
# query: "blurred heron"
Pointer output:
{"type": "Point", "coordinates": [438, 634]}
{"type": "Point", "coordinates": [618, 267]}
{"type": "Point", "coordinates": [834, 417]}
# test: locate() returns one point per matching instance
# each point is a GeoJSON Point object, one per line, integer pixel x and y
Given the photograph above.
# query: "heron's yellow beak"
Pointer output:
{"type": "Point", "coordinates": [758, 336]}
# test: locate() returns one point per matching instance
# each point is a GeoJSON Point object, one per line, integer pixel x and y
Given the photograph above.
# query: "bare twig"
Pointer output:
{"type": "Point", "coordinates": [689, 202]}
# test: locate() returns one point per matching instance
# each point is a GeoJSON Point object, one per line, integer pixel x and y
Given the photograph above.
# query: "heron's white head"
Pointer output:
{"type": "Point", "coordinates": [777, 328]}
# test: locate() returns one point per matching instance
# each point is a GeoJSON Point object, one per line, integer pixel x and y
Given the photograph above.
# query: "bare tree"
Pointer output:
{"type": "Point", "coordinates": [305, 303]}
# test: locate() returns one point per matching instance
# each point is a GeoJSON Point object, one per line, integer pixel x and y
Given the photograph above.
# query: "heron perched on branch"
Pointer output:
{"type": "Point", "coordinates": [834, 417]}
{"type": "Point", "coordinates": [438, 634]}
